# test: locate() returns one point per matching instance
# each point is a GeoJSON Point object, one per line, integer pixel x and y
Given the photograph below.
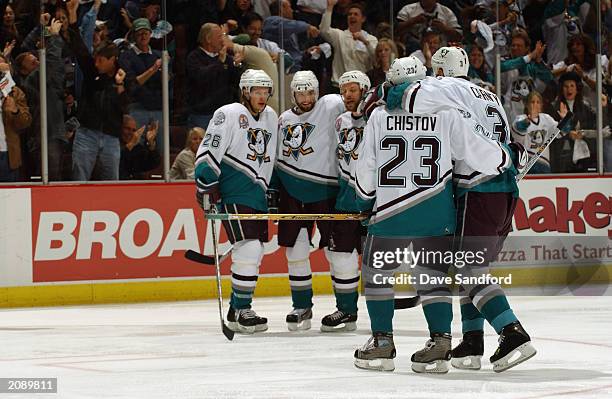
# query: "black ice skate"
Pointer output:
{"type": "Point", "coordinates": [339, 321]}
{"type": "Point", "coordinates": [468, 353]}
{"type": "Point", "coordinates": [245, 321]}
{"type": "Point", "coordinates": [435, 356]}
{"type": "Point", "coordinates": [299, 319]}
{"type": "Point", "coordinates": [377, 353]}
{"type": "Point", "coordinates": [513, 340]}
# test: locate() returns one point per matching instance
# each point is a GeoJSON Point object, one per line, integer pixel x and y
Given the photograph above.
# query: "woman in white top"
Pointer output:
{"type": "Point", "coordinates": [184, 163]}
{"type": "Point", "coordinates": [532, 128]}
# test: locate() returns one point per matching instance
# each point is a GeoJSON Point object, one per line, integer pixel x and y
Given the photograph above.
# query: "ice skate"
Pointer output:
{"type": "Point", "coordinates": [245, 321]}
{"type": "Point", "coordinates": [377, 353]}
{"type": "Point", "coordinates": [435, 356]}
{"type": "Point", "coordinates": [467, 354]}
{"type": "Point", "coordinates": [339, 321]}
{"type": "Point", "coordinates": [514, 348]}
{"type": "Point", "coordinates": [299, 319]}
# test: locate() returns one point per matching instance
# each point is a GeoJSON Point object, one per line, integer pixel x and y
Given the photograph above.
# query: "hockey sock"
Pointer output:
{"type": "Point", "coordinates": [345, 278]}
{"type": "Point", "coordinates": [300, 274]}
{"type": "Point", "coordinates": [438, 313]}
{"type": "Point", "coordinates": [497, 312]}
{"type": "Point", "coordinates": [471, 318]}
{"type": "Point", "coordinates": [246, 256]}
{"type": "Point", "coordinates": [381, 315]}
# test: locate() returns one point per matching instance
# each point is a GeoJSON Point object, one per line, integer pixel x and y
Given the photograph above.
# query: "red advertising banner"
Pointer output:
{"type": "Point", "coordinates": [108, 232]}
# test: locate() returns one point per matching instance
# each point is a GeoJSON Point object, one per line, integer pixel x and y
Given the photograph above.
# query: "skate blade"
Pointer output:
{"type": "Point", "coordinates": [375, 364]}
{"type": "Point", "coordinates": [350, 326]}
{"type": "Point", "coordinates": [435, 367]}
{"type": "Point", "coordinates": [304, 325]}
{"type": "Point", "coordinates": [236, 327]}
{"type": "Point", "coordinates": [527, 351]}
{"type": "Point", "coordinates": [467, 363]}
{"type": "Point", "coordinates": [261, 327]}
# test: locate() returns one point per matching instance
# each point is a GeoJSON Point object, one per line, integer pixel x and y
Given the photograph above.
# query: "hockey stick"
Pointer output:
{"type": "Point", "coordinates": [229, 334]}
{"type": "Point", "coordinates": [286, 216]}
{"type": "Point", "coordinates": [545, 145]}
{"type": "Point", "coordinates": [406, 303]}
{"type": "Point", "coordinates": [205, 259]}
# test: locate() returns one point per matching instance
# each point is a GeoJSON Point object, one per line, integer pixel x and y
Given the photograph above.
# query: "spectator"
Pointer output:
{"type": "Point", "coordinates": [532, 129]}
{"type": "Point", "coordinates": [430, 43]}
{"type": "Point", "coordinates": [414, 18]}
{"type": "Point", "coordinates": [523, 73]}
{"type": "Point", "coordinates": [142, 65]}
{"type": "Point", "coordinates": [386, 52]}
{"type": "Point", "coordinates": [184, 163]}
{"type": "Point", "coordinates": [162, 30]}
{"type": "Point", "coordinates": [479, 70]}
{"type": "Point", "coordinates": [281, 28]}
{"type": "Point", "coordinates": [27, 65]}
{"type": "Point", "coordinates": [354, 48]}
{"type": "Point", "coordinates": [574, 152]}
{"type": "Point", "coordinates": [9, 34]}
{"type": "Point", "coordinates": [234, 12]}
{"type": "Point", "coordinates": [253, 28]}
{"type": "Point", "coordinates": [101, 108]}
{"type": "Point", "coordinates": [137, 157]}
{"type": "Point", "coordinates": [211, 75]}
{"type": "Point", "coordinates": [15, 117]}
{"type": "Point", "coordinates": [581, 59]}
{"type": "Point", "coordinates": [310, 11]}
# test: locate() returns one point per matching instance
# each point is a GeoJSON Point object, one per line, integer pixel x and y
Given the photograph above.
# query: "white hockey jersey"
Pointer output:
{"type": "Point", "coordinates": [531, 134]}
{"type": "Point", "coordinates": [238, 151]}
{"type": "Point", "coordinates": [404, 170]}
{"type": "Point", "coordinates": [306, 163]}
{"type": "Point", "coordinates": [437, 94]}
{"type": "Point", "coordinates": [349, 132]}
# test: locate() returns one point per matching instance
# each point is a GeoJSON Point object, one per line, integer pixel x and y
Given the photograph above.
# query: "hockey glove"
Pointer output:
{"type": "Point", "coordinates": [519, 156]}
{"type": "Point", "coordinates": [209, 196]}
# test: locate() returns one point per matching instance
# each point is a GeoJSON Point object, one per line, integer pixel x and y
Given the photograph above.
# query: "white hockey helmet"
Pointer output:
{"type": "Point", "coordinates": [255, 78]}
{"type": "Point", "coordinates": [406, 69]}
{"type": "Point", "coordinates": [355, 77]}
{"type": "Point", "coordinates": [453, 61]}
{"type": "Point", "coordinates": [304, 81]}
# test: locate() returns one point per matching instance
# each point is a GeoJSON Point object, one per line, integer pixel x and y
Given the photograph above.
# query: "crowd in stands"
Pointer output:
{"type": "Point", "coordinates": [104, 78]}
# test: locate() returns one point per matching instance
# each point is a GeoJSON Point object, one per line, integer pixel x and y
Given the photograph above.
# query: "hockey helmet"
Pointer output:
{"type": "Point", "coordinates": [453, 61]}
{"type": "Point", "coordinates": [255, 78]}
{"type": "Point", "coordinates": [355, 77]}
{"type": "Point", "coordinates": [304, 81]}
{"type": "Point", "coordinates": [406, 70]}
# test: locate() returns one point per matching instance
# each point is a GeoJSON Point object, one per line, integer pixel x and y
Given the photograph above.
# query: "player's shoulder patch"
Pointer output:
{"type": "Point", "coordinates": [218, 118]}
{"type": "Point", "coordinates": [243, 121]}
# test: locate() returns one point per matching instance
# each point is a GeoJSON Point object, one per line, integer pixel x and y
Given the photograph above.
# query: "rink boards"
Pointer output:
{"type": "Point", "coordinates": [76, 244]}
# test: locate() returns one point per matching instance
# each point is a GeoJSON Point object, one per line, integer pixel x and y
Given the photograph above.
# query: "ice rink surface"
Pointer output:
{"type": "Point", "coordinates": [176, 350]}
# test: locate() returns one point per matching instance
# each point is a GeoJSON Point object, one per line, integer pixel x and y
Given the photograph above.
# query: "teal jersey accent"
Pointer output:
{"type": "Point", "coordinates": [235, 186]}
{"type": "Point", "coordinates": [504, 183]}
{"type": "Point", "coordinates": [304, 190]}
{"type": "Point", "coordinates": [435, 216]}
{"type": "Point", "coordinates": [346, 200]}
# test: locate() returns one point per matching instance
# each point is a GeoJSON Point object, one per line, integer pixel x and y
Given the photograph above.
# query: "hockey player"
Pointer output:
{"type": "Point", "coordinates": [404, 174]}
{"type": "Point", "coordinates": [234, 165]}
{"type": "Point", "coordinates": [485, 205]}
{"type": "Point", "coordinates": [308, 174]}
{"type": "Point", "coordinates": [344, 265]}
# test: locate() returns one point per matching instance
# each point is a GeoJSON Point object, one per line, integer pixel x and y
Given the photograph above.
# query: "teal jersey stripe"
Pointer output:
{"type": "Point", "coordinates": [346, 200]}
{"type": "Point", "coordinates": [435, 216]}
{"type": "Point", "coordinates": [504, 183]}
{"type": "Point", "coordinates": [304, 190]}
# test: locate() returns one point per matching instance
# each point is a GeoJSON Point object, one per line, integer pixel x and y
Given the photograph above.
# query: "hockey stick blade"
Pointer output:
{"type": "Point", "coordinates": [406, 303]}
{"type": "Point", "coordinates": [199, 258]}
{"type": "Point", "coordinates": [229, 334]}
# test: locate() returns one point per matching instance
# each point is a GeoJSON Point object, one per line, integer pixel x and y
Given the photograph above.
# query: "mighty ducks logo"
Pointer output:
{"type": "Point", "coordinates": [258, 143]}
{"type": "Point", "coordinates": [295, 137]}
{"type": "Point", "coordinates": [521, 89]}
{"type": "Point", "coordinates": [349, 141]}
